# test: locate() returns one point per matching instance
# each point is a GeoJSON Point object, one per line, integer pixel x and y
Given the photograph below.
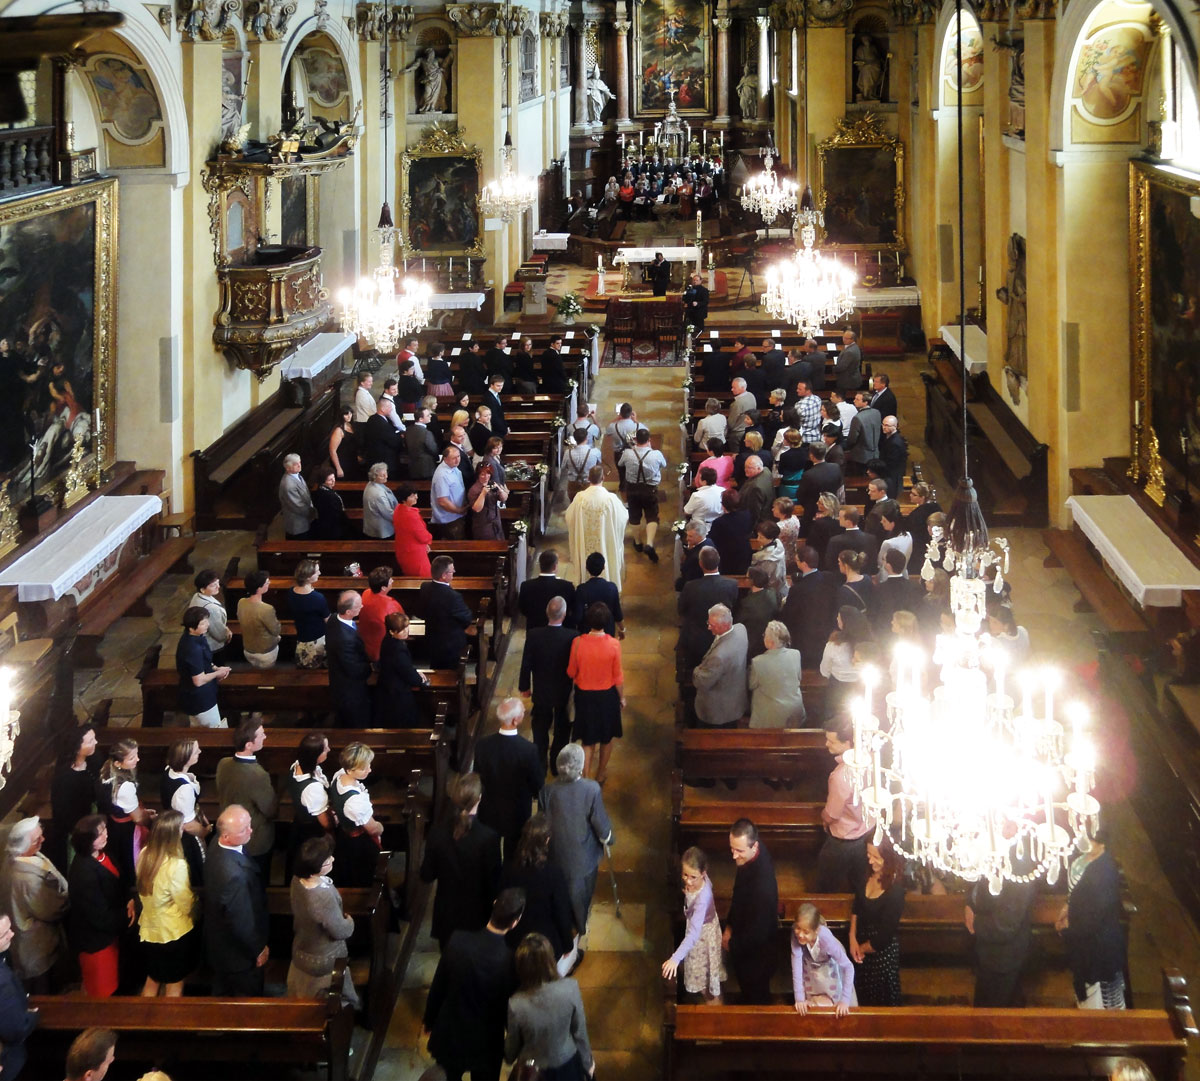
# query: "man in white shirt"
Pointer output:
{"type": "Point", "coordinates": [846, 410]}
{"type": "Point", "coordinates": [364, 403]}
{"type": "Point", "coordinates": [641, 466]}
{"type": "Point", "coordinates": [389, 395]}
{"type": "Point", "coordinates": [409, 352]}
{"type": "Point", "coordinates": [705, 501]}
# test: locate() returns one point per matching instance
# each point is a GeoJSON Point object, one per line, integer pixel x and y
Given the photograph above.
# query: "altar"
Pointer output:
{"type": "Point", "coordinates": [626, 257]}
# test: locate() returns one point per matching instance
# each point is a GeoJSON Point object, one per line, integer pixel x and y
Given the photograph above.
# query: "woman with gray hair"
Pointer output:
{"type": "Point", "coordinates": [776, 699]}
{"type": "Point", "coordinates": [579, 830]}
{"type": "Point", "coordinates": [378, 504]}
{"type": "Point", "coordinates": [34, 894]}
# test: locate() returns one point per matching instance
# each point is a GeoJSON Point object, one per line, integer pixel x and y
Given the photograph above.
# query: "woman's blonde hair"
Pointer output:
{"type": "Point", "coordinates": [904, 623]}
{"type": "Point", "coordinates": [166, 842]}
{"type": "Point", "coordinates": [753, 441]}
{"type": "Point", "coordinates": [829, 503]}
{"type": "Point", "coordinates": [355, 756]}
{"type": "Point", "coordinates": [460, 418]}
{"type": "Point", "coordinates": [792, 437]}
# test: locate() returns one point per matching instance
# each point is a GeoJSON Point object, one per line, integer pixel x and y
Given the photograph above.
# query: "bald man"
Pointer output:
{"type": "Point", "coordinates": [235, 909]}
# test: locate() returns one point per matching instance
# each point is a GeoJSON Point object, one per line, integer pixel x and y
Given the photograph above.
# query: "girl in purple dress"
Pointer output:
{"type": "Point", "coordinates": [700, 950]}
{"type": "Point", "coordinates": [822, 973]}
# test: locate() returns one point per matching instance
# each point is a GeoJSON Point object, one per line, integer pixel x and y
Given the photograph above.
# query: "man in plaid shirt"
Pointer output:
{"type": "Point", "coordinates": [808, 412]}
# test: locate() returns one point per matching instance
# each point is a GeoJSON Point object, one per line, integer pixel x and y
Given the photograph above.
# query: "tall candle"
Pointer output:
{"type": "Point", "coordinates": [999, 670]}
{"type": "Point", "coordinates": [981, 275]}
{"type": "Point", "coordinates": [1137, 412]}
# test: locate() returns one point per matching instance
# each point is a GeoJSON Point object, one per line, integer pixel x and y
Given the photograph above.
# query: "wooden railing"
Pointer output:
{"type": "Point", "coordinates": [26, 159]}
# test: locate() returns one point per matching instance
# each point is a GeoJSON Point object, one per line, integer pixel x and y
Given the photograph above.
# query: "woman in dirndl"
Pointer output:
{"type": "Point", "coordinates": [358, 841]}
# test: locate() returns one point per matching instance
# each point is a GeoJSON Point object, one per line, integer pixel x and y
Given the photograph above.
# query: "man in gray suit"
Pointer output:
{"type": "Point", "coordinates": [743, 402]}
{"type": "Point", "coordinates": [862, 442]}
{"type": "Point", "coordinates": [422, 447]}
{"type": "Point", "coordinates": [579, 830]}
{"type": "Point", "coordinates": [720, 678]}
{"type": "Point", "coordinates": [758, 493]}
{"type": "Point", "coordinates": [847, 369]}
{"type": "Point", "coordinates": [294, 500]}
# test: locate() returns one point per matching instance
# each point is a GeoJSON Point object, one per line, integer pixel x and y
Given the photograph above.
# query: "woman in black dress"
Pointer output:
{"type": "Point", "coordinates": [344, 450]}
{"type": "Point", "coordinates": [1090, 923]}
{"type": "Point", "coordinates": [524, 372]}
{"type": "Point", "coordinates": [101, 907]}
{"type": "Point", "coordinates": [395, 703]}
{"type": "Point", "coordinates": [72, 794]}
{"type": "Point", "coordinates": [874, 919]}
{"type": "Point", "coordinates": [309, 608]}
{"type": "Point", "coordinates": [463, 858]}
{"type": "Point", "coordinates": [825, 524]}
{"type": "Point", "coordinates": [331, 522]}
{"type": "Point", "coordinates": [547, 900]}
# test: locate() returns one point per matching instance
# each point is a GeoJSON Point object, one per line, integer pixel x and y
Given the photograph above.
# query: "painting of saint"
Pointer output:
{"type": "Point", "coordinates": [860, 195]}
{"type": "Point", "coordinates": [672, 47]}
{"type": "Point", "coordinates": [127, 101]}
{"type": "Point", "coordinates": [444, 215]}
{"type": "Point", "coordinates": [1109, 75]}
{"type": "Point", "coordinates": [326, 77]}
{"type": "Point", "coordinates": [972, 57]}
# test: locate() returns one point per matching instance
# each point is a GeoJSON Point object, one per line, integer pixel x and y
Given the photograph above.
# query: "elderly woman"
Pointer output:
{"type": "Point", "coordinates": [310, 610]}
{"type": "Point", "coordinates": [100, 910]}
{"type": "Point", "coordinates": [321, 925]}
{"type": "Point", "coordinates": [208, 587]}
{"type": "Point", "coordinates": [261, 633]}
{"type": "Point", "coordinates": [170, 942]}
{"type": "Point", "coordinates": [712, 425]}
{"type": "Point", "coordinates": [376, 607]}
{"type": "Point", "coordinates": [379, 503]}
{"type": "Point", "coordinates": [579, 830]}
{"type": "Point", "coordinates": [34, 894]}
{"type": "Point", "coordinates": [358, 836]}
{"type": "Point", "coordinates": [546, 1025]}
{"type": "Point", "coordinates": [776, 700]}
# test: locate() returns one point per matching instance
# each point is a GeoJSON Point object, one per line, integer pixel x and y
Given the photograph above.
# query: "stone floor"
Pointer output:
{"type": "Point", "coordinates": [620, 976]}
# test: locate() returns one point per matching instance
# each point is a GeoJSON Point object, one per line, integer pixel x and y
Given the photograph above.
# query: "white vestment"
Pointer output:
{"type": "Point", "coordinates": [596, 522]}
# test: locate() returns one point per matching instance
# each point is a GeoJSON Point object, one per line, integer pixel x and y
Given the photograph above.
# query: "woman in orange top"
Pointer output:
{"type": "Point", "coordinates": [412, 535]}
{"type": "Point", "coordinates": [376, 607]}
{"type": "Point", "coordinates": [595, 666]}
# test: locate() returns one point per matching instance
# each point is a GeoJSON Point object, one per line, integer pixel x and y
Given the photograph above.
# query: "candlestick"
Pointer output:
{"type": "Point", "coordinates": [981, 275]}
{"type": "Point", "coordinates": [1137, 412]}
{"type": "Point", "coordinates": [450, 268]}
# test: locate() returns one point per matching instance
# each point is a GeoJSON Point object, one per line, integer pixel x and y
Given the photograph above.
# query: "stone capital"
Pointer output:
{"type": "Point", "coordinates": [723, 23]}
{"type": "Point", "coordinates": [206, 20]}
{"type": "Point", "coordinates": [267, 20]}
{"type": "Point", "coordinates": [475, 20]}
{"type": "Point", "coordinates": [623, 26]}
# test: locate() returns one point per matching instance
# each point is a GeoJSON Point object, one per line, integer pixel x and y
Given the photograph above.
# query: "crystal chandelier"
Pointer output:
{"type": "Point", "coordinates": [373, 311]}
{"type": "Point", "coordinates": [768, 194]}
{"type": "Point", "coordinates": [509, 195]}
{"type": "Point", "coordinates": [10, 723]}
{"type": "Point", "coordinates": [809, 289]}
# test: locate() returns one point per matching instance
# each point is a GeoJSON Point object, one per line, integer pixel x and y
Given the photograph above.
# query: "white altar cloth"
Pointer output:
{"type": "Point", "coordinates": [646, 255]}
{"type": "Point", "coordinates": [446, 301]}
{"type": "Point", "coordinates": [50, 570]}
{"type": "Point", "coordinates": [315, 356]}
{"type": "Point", "coordinates": [976, 359]}
{"type": "Point", "coordinates": [1140, 554]}
{"type": "Point", "coordinates": [891, 296]}
{"type": "Point", "coordinates": [550, 241]}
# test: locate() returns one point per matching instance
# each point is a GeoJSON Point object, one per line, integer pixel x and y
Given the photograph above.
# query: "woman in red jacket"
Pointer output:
{"type": "Point", "coordinates": [412, 535]}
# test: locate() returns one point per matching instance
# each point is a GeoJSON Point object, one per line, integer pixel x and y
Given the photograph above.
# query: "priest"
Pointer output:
{"type": "Point", "coordinates": [596, 522]}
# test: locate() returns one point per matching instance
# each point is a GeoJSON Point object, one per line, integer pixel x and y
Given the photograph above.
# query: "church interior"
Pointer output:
{"type": "Point", "coordinates": [224, 222]}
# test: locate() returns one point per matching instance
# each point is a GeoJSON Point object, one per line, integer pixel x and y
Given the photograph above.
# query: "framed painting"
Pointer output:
{"type": "Point", "coordinates": [672, 45]}
{"type": "Point", "coordinates": [58, 261]}
{"type": "Point", "coordinates": [298, 210]}
{"type": "Point", "coordinates": [860, 186]}
{"type": "Point", "coordinates": [439, 180]}
{"type": "Point", "coordinates": [1164, 277]}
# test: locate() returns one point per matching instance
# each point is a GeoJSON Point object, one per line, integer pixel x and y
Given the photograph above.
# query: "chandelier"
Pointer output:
{"type": "Point", "coordinates": [809, 289]}
{"type": "Point", "coordinates": [10, 723]}
{"type": "Point", "coordinates": [373, 311]}
{"type": "Point", "coordinates": [510, 195]}
{"type": "Point", "coordinates": [768, 194]}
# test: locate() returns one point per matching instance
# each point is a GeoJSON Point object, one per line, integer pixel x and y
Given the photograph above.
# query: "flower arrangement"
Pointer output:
{"type": "Point", "coordinates": [571, 385]}
{"type": "Point", "coordinates": [570, 305]}
{"type": "Point", "coordinates": [679, 526]}
{"type": "Point", "coordinates": [557, 423]}
{"type": "Point", "coordinates": [684, 469]}
{"type": "Point", "coordinates": [684, 420]}
{"type": "Point", "coordinates": [521, 527]}
{"type": "Point", "coordinates": [690, 329]}
{"type": "Point", "coordinates": [541, 469]}
{"type": "Point", "coordinates": [688, 383]}
{"type": "Point", "coordinates": [519, 471]}
{"type": "Point", "coordinates": [591, 330]}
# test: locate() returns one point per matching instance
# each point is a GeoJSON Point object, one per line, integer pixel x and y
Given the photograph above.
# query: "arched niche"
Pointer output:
{"type": "Point", "coordinates": [317, 79]}
{"type": "Point", "coordinates": [957, 77]}
{"type": "Point", "coordinates": [438, 35]}
{"type": "Point", "coordinates": [869, 53]}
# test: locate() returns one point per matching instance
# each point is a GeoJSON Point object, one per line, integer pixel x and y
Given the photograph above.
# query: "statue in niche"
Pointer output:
{"type": "Point", "coordinates": [598, 95]}
{"type": "Point", "coordinates": [232, 98]}
{"type": "Point", "coordinates": [433, 78]}
{"type": "Point", "coordinates": [868, 68]}
{"type": "Point", "coordinates": [1012, 293]}
{"type": "Point", "coordinates": [1015, 47]}
{"type": "Point", "coordinates": [747, 92]}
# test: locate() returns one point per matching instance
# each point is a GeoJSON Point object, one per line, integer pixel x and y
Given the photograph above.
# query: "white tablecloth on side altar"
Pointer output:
{"type": "Point", "coordinates": [550, 241]}
{"type": "Point", "coordinates": [646, 255]}
{"type": "Point", "coordinates": [976, 360]}
{"type": "Point", "coordinates": [890, 296]}
{"type": "Point", "coordinates": [1140, 554]}
{"type": "Point", "coordinates": [63, 558]}
{"type": "Point", "coordinates": [446, 301]}
{"type": "Point", "coordinates": [315, 356]}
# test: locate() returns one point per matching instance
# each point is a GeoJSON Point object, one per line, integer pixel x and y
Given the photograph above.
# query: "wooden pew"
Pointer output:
{"type": "Point", "coordinates": [795, 755]}
{"type": "Point", "coordinates": [1099, 593]}
{"type": "Point", "coordinates": [935, 1042]}
{"type": "Point", "coordinates": [471, 558]}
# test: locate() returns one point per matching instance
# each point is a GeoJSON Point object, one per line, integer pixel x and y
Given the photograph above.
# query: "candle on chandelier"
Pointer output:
{"type": "Point", "coordinates": [998, 669]}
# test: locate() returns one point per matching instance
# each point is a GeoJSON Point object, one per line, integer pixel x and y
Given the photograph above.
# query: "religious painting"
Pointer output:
{"type": "Point", "coordinates": [1165, 310]}
{"type": "Point", "coordinates": [325, 76]}
{"type": "Point", "coordinates": [860, 182]}
{"type": "Point", "coordinates": [966, 75]}
{"type": "Point", "coordinates": [128, 105]}
{"type": "Point", "coordinates": [296, 211]}
{"type": "Point", "coordinates": [1109, 74]}
{"type": "Point", "coordinates": [671, 46]}
{"type": "Point", "coordinates": [58, 297]}
{"type": "Point", "coordinates": [440, 184]}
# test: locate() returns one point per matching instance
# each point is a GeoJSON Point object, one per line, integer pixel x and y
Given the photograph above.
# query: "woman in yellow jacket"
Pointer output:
{"type": "Point", "coordinates": [170, 939]}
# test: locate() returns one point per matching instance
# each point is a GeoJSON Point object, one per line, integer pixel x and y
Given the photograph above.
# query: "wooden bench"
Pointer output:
{"type": "Point", "coordinates": [97, 617]}
{"type": "Point", "coordinates": [1099, 592]}
{"type": "Point", "coordinates": [793, 755]}
{"type": "Point", "coordinates": [932, 1042]}
{"type": "Point", "coordinates": [471, 558]}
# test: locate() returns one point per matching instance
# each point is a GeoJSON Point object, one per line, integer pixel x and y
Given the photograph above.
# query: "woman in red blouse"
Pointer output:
{"type": "Point", "coordinates": [595, 666]}
{"type": "Point", "coordinates": [412, 535]}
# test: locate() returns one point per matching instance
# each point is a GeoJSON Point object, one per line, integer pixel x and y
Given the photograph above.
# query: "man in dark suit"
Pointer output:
{"type": "Point", "coordinates": [554, 375]}
{"type": "Point", "coordinates": [472, 378]}
{"type": "Point", "coordinates": [349, 666]}
{"type": "Point", "coordinates": [448, 620]}
{"type": "Point", "coordinates": [381, 441]}
{"type": "Point", "coordinates": [774, 363]}
{"type": "Point", "coordinates": [458, 437]}
{"type": "Point", "coordinates": [536, 592]}
{"type": "Point", "coordinates": [847, 369]}
{"type": "Point", "coordinates": [816, 359]}
{"type": "Point", "coordinates": [695, 305]}
{"type": "Point", "coordinates": [893, 451]}
{"type": "Point", "coordinates": [752, 926]}
{"type": "Point", "coordinates": [1003, 936]}
{"type": "Point", "coordinates": [882, 397]}
{"type": "Point", "coordinates": [810, 611]}
{"type": "Point", "coordinates": [820, 476]}
{"type": "Point", "coordinates": [235, 909]}
{"type": "Point", "coordinates": [695, 601]}
{"type": "Point", "coordinates": [491, 398]}
{"type": "Point", "coordinates": [694, 542]}
{"type": "Point", "coordinates": [422, 447]}
{"type": "Point", "coordinates": [512, 776]}
{"type": "Point", "coordinates": [659, 273]}
{"type": "Point", "coordinates": [467, 1007]}
{"type": "Point", "coordinates": [497, 362]}
{"type": "Point", "coordinates": [599, 590]}
{"type": "Point", "coordinates": [714, 365]}
{"type": "Point", "coordinates": [895, 593]}
{"type": "Point", "coordinates": [854, 538]}
{"type": "Point", "coordinates": [544, 666]}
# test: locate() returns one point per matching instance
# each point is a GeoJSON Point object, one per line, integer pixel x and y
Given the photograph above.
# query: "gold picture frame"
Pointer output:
{"type": "Point", "coordinates": [440, 185]}
{"type": "Point", "coordinates": [60, 249]}
{"type": "Point", "coordinates": [1164, 249]}
{"type": "Point", "coordinates": [860, 186]}
{"type": "Point", "coordinates": [672, 47]}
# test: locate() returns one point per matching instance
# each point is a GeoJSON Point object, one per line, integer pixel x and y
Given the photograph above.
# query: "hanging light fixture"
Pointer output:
{"type": "Point", "coordinates": [509, 195]}
{"type": "Point", "coordinates": [809, 289]}
{"type": "Point", "coordinates": [373, 310]}
{"type": "Point", "coordinates": [768, 194]}
{"type": "Point", "coordinates": [962, 778]}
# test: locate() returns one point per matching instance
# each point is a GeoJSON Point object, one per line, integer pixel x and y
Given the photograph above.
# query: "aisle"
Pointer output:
{"type": "Point", "coordinates": [620, 975]}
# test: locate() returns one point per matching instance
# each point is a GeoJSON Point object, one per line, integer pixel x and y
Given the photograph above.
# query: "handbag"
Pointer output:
{"type": "Point", "coordinates": [525, 1071]}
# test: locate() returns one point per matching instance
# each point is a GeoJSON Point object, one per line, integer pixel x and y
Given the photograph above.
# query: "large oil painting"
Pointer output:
{"type": "Point", "coordinates": [671, 44]}
{"type": "Point", "coordinates": [860, 172]}
{"type": "Point", "coordinates": [57, 314]}
{"type": "Point", "coordinates": [441, 196]}
{"type": "Point", "coordinates": [1165, 279]}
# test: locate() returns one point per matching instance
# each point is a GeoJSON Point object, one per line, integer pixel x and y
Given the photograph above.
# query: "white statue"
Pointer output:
{"type": "Point", "coordinates": [598, 95]}
{"type": "Point", "coordinates": [747, 90]}
{"type": "Point", "coordinates": [432, 74]}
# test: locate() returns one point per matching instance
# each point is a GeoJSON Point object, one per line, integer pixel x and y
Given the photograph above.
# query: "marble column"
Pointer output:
{"type": "Point", "coordinates": [622, 26]}
{"type": "Point", "coordinates": [722, 23]}
{"type": "Point", "coordinates": [764, 66]}
{"type": "Point", "coordinates": [581, 105]}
